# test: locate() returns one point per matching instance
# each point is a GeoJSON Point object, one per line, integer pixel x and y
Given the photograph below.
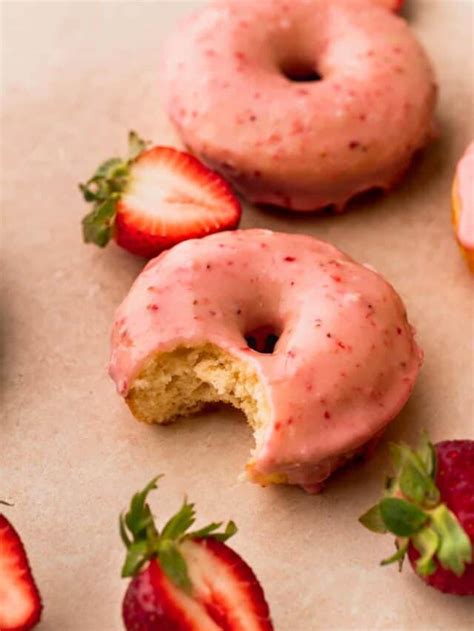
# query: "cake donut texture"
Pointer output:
{"type": "Point", "coordinates": [344, 364]}
{"type": "Point", "coordinates": [463, 205]}
{"type": "Point", "coordinates": [300, 104]}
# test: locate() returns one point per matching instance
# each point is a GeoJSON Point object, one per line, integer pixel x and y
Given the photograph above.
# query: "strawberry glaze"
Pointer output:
{"type": "Point", "coordinates": [302, 145]}
{"type": "Point", "coordinates": [345, 362]}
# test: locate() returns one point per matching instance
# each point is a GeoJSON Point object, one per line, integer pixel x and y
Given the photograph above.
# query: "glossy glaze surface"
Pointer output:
{"type": "Point", "coordinates": [346, 359]}
{"type": "Point", "coordinates": [301, 145]}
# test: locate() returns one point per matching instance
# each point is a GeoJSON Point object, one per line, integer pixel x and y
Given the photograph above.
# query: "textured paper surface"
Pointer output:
{"type": "Point", "coordinates": [76, 76]}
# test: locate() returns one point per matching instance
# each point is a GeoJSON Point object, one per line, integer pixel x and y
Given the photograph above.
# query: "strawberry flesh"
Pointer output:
{"type": "Point", "coordinates": [226, 586]}
{"type": "Point", "coordinates": [225, 596]}
{"type": "Point", "coordinates": [20, 602]}
{"type": "Point", "coordinates": [153, 603]}
{"type": "Point", "coordinates": [455, 481]}
{"type": "Point", "coordinates": [170, 197]}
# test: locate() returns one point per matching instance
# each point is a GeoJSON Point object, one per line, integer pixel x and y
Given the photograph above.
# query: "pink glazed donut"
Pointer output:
{"type": "Point", "coordinates": [344, 364]}
{"type": "Point", "coordinates": [300, 103]}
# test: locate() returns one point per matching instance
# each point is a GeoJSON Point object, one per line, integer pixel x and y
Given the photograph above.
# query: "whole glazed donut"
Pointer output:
{"type": "Point", "coordinates": [344, 364]}
{"type": "Point", "coordinates": [239, 81]}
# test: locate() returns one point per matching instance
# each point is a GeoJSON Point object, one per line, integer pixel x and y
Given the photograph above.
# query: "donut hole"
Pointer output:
{"type": "Point", "coordinates": [262, 339]}
{"type": "Point", "coordinates": [300, 71]}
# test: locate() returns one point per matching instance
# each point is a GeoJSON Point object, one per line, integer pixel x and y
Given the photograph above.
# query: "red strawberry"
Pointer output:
{"type": "Point", "coordinates": [429, 506]}
{"type": "Point", "coordinates": [154, 199]}
{"type": "Point", "coordinates": [20, 602]}
{"type": "Point", "coordinates": [186, 581]}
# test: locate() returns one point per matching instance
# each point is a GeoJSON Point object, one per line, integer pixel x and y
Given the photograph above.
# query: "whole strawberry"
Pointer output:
{"type": "Point", "coordinates": [155, 198]}
{"type": "Point", "coordinates": [186, 581]}
{"type": "Point", "coordinates": [429, 505]}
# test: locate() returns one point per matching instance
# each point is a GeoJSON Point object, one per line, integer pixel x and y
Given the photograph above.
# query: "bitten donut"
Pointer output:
{"type": "Point", "coordinates": [463, 205]}
{"type": "Point", "coordinates": [300, 104]}
{"type": "Point", "coordinates": [344, 364]}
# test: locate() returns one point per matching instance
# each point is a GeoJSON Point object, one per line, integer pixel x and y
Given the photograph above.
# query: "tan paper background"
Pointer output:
{"type": "Point", "coordinates": [75, 77]}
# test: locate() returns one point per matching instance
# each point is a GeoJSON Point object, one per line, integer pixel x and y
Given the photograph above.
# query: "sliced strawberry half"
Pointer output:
{"type": "Point", "coordinates": [156, 198]}
{"type": "Point", "coordinates": [186, 581]}
{"type": "Point", "coordinates": [392, 5]}
{"type": "Point", "coordinates": [20, 602]}
{"type": "Point", "coordinates": [226, 586]}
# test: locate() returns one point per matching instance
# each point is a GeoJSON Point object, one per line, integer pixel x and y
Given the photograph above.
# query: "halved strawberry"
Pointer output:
{"type": "Point", "coordinates": [20, 602]}
{"type": "Point", "coordinates": [186, 581]}
{"type": "Point", "coordinates": [156, 198]}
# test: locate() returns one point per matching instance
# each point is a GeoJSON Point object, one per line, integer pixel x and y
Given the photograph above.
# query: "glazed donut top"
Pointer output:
{"type": "Point", "coordinates": [225, 84]}
{"type": "Point", "coordinates": [345, 362]}
{"type": "Point", "coordinates": [465, 190]}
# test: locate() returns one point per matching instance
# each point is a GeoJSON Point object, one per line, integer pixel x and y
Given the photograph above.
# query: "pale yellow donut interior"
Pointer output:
{"type": "Point", "coordinates": [185, 380]}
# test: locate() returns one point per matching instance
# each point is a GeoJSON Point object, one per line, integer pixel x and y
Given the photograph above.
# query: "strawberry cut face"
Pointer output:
{"type": "Point", "coordinates": [20, 604]}
{"type": "Point", "coordinates": [170, 197]}
{"type": "Point", "coordinates": [226, 586]}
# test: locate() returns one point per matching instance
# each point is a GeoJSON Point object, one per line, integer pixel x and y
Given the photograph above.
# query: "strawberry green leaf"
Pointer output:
{"type": "Point", "coordinates": [97, 226]}
{"type": "Point", "coordinates": [426, 541]}
{"type": "Point", "coordinates": [139, 518]}
{"type": "Point", "coordinates": [455, 548]}
{"type": "Point", "coordinates": [229, 532]}
{"type": "Point", "coordinates": [107, 168]}
{"type": "Point", "coordinates": [136, 145]}
{"type": "Point", "coordinates": [412, 476]}
{"type": "Point", "coordinates": [398, 556]}
{"type": "Point", "coordinates": [372, 520]}
{"type": "Point", "coordinates": [427, 455]}
{"type": "Point", "coordinates": [104, 189]}
{"type": "Point", "coordinates": [145, 542]}
{"type": "Point", "coordinates": [177, 526]}
{"type": "Point", "coordinates": [174, 565]}
{"type": "Point", "coordinates": [210, 531]}
{"type": "Point", "coordinates": [127, 542]}
{"type": "Point", "coordinates": [414, 483]}
{"type": "Point", "coordinates": [137, 556]}
{"type": "Point", "coordinates": [401, 517]}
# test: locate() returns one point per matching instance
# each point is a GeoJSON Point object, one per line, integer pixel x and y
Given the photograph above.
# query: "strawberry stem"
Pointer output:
{"type": "Point", "coordinates": [412, 510]}
{"type": "Point", "coordinates": [144, 541]}
{"type": "Point", "coordinates": [104, 189]}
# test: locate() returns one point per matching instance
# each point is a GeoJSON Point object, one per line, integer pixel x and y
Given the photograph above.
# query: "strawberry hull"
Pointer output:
{"type": "Point", "coordinates": [455, 481]}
